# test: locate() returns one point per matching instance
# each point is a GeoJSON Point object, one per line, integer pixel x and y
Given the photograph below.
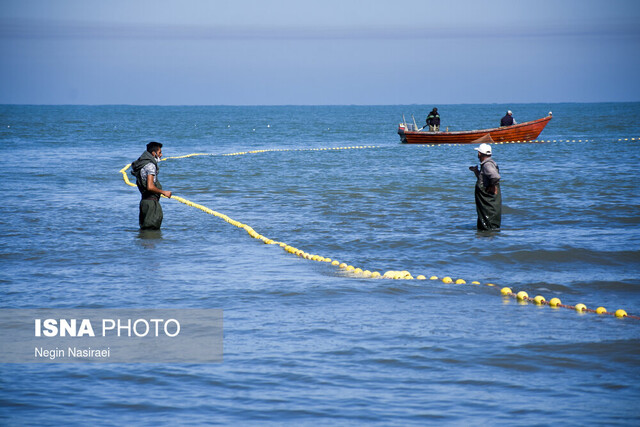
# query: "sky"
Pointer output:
{"type": "Point", "coordinates": [327, 52]}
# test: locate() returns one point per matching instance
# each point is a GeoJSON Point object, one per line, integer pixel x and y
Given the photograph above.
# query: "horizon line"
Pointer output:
{"type": "Point", "coordinates": [308, 105]}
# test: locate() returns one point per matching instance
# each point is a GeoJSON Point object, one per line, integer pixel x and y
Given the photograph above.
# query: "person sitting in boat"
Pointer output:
{"type": "Point", "coordinates": [433, 120]}
{"type": "Point", "coordinates": [508, 119]}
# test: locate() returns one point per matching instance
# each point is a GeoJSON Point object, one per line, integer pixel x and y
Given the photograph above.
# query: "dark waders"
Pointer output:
{"type": "Point", "coordinates": [489, 208]}
{"type": "Point", "coordinates": [150, 217]}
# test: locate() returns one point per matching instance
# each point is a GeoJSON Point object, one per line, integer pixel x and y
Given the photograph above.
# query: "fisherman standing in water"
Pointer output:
{"type": "Point", "coordinates": [146, 170]}
{"type": "Point", "coordinates": [488, 194]}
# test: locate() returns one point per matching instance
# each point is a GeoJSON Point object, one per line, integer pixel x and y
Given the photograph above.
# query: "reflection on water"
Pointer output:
{"type": "Point", "coordinates": [488, 234]}
{"type": "Point", "coordinates": [148, 238]}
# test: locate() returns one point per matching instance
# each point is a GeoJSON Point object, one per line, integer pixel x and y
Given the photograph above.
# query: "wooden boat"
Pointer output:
{"type": "Point", "coordinates": [527, 131]}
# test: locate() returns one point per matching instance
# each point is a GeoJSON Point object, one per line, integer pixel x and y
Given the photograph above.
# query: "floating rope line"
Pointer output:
{"type": "Point", "coordinates": [537, 141]}
{"type": "Point", "coordinates": [521, 296]}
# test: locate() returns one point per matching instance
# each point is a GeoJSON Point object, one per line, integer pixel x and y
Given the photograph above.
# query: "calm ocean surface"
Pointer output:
{"type": "Point", "coordinates": [305, 343]}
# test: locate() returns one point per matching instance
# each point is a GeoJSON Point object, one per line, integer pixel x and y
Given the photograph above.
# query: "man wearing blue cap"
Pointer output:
{"type": "Point", "coordinates": [488, 194]}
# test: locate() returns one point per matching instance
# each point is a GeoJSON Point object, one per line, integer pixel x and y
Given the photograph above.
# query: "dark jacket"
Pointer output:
{"type": "Point", "coordinates": [433, 119]}
{"type": "Point", "coordinates": [507, 120]}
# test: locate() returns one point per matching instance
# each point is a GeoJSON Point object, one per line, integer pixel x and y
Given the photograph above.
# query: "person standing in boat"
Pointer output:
{"type": "Point", "coordinates": [145, 170]}
{"type": "Point", "coordinates": [487, 193]}
{"type": "Point", "coordinates": [433, 120]}
{"type": "Point", "coordinates": [508, 119]}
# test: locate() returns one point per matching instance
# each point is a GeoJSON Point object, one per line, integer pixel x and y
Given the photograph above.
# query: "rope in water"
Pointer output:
{"type": "Point", "coordinates": [521, 296]}
{"type": "Point", "coordinates": [536, 141]}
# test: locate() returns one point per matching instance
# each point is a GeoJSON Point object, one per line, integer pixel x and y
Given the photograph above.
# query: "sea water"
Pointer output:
{"type": "Point", "coordinates": [305, 342]}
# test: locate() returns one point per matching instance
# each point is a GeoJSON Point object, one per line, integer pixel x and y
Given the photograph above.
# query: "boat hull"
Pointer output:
{"type": "Point", "coordinates": [527, 131]}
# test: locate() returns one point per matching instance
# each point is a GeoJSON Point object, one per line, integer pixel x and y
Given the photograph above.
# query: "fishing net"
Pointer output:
{"type": "Point", "coordinates": [486, 139]}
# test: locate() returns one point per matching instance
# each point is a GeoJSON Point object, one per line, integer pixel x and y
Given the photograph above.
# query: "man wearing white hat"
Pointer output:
{"type": "Point", "coordinates": [488, 194]}
{"type": "Point", "coordinates": [508, 119]}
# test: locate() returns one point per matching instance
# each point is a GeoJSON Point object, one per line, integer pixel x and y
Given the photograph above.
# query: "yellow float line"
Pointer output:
{"type": "Point", "coordinates": [359, 272]}
{"type": "Point", "coordinates": [510, 142]}
{"type": "Point", "coordinates": [240, 153]}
